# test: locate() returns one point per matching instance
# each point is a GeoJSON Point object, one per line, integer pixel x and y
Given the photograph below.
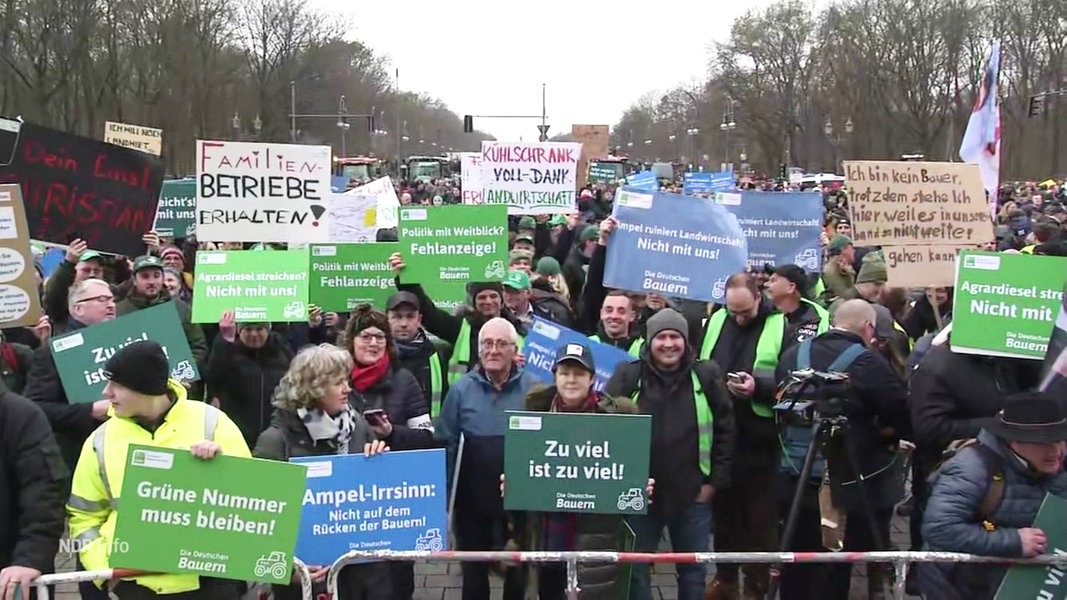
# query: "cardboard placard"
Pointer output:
{"type": "Point", "coordinates": [19, 301]}
{"type": "Point", "coordinates": [145, 139]}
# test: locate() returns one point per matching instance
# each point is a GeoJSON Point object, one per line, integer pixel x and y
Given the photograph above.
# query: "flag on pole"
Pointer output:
{"type": "Point", "coordinates": [981, 140]}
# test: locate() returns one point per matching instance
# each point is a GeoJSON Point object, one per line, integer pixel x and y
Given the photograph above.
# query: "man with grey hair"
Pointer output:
{"type": "Point", "coordinates": [475, 408]}
{"type": "Point", "coordinates": [875, 405]}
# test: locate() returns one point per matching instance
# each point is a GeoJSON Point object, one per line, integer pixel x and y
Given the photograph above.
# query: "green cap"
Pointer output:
{"type": "Point", "coordinates": [517, 255]}
{"type": "Point", "coordinates": [524, 238]}
{"type": "Point", "coordinates": [147, 262]}
{"type": "Point", "coordinates": [90, 255]}
{"type": "Point", "coordinates": [527, 222]}
{"type": "Point", "coordinates": [517, 280]}
{"type": "Point", "coordinates": [838, 243]}
{"type": "Point", "coordinates": [548, 266]}
{"type": "Point", "coordinates": [589, 233]}
{"type": "Point", "coordinates": [557, 220]}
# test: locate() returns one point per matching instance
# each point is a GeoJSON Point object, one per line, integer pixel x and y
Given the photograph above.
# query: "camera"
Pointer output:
{"type": "Point", "coordinates": [811, 394]}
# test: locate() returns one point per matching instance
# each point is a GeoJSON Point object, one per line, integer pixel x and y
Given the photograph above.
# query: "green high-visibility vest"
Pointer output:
{"type": "Point", "coordinates": [705, 421]}
{"type": "Point", "coordinates": [460, 362]}
{"type": "Point", "coordinates": [818, 288]}
{"type": "Point", "coordinates": [635, 346]}
{"type": "Point", "coordinates": [824, 315]}
{"type": "Point", "coordinates": [768, 347]}
{"type": "Point", "coordinates": [435, 384]}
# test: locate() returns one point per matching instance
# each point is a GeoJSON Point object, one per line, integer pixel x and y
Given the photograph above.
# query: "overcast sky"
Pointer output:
{"type": "Point", "coordinates": [490, 58]}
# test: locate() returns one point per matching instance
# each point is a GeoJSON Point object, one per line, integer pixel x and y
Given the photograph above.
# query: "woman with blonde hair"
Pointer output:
{"type": "Point", "coordinates": [312, 417]}
{"type": "Point", "coordinates": [550, 278]}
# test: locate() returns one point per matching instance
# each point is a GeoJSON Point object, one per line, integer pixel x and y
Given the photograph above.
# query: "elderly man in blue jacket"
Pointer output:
{"type": "Point", "coordinates": [475, 408]}
{"type": "Point", "coordinates": [985, 498]}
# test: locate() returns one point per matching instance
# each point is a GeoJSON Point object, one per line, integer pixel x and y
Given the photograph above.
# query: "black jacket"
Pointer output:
{"type": "Point", "coordinates": [879, 404]}
{"type": "Point", "coordinates": [674, 461]}
{"type": "Point", "coordinates": [399, 395]}
{"type": "Point", "coordinates": [552, 307]}
{"type": "Point", "coordinates": [575, 269]}
{"type": "Point", "coordinates": [415, 358]}
{"type": "Point", "coordinates": [71, 422]}
{"type": "Point", "coordinates": [244, 379]}
{"type": "Point", "coordinates": [32, 486]}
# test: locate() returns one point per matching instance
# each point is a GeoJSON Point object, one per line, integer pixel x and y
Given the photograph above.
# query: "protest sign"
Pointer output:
{"type": "Point", "coordinates": [358, 214]}
{"type": "Point", "coordinates": [1054, 367]}
{"type": "Point", "coordinates": [781, 227]}
{"type": "Point", "coordinates": [601, 172]}
{"type": "Point", "coordinates": [177, 209]}
{"type": "Point", "coordinates": [20, 304]}
{"type": "Point", "coordinates": [530, 179]}
{"type": "Point", "coordinates": [594, 140]}
{"type": "Point", "coordinates": [645, 181]}
{"type": "Point", "coordinates": [145, 139]}
{"type": "Point", "coordinates": [394, 501]}
{"type": "Point", "coordinates": [260, 287]}
{"type": "Point", "coordinates": [674, 245]}
{"type": "Point", "coordinates": [921, 213]}
{"type": "Point", "coordinates": [343, 276]}
{"type": "Point", "coordinates": [707, 183]}
{"type": "Point", "coordinates": [259, 192]}
{"type": "Point", "coordinates": [80, 355]}
{"type": "Point", "coordinates": [183, 514]}
{"type": "Point", "coordinates": [78, 187]}
{"type": "Point", "coordinates": [545, 338]}
{"type": "Point", "coordinates": [447, 247]}
{"type": "Point", "coordinates": [470, 178]}
{"type": "Point", "coordinates": [576, 462]}
{"type": "Point", "coordinates": [1044, 583]}
{"type": "Point", "coordinates": [1005, 304]}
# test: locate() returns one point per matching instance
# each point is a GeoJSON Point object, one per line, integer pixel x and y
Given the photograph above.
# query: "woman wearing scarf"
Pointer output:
{"type": "Point", "coordinates": [391, 401]}
{"type": "Point", "coordinates": [565, 532]}
{"type": "Point", "coordinates": [312, 417]}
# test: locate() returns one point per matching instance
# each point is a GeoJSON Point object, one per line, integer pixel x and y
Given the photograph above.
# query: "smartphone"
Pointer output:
{"type": "Point", "coordinates": [375, 416]}
{"type": "Point", "coordinates": [734, 378]}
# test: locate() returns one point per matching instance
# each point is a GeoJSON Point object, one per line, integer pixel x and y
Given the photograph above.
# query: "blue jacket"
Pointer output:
{"type": "Point", "coordinates": [477, 410]}
{"type": "Point", "coordinates": [951, 524]}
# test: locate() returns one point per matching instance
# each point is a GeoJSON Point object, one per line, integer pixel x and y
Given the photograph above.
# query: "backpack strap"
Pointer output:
{"type": "Point", "coordinates": [846, 358]}
{"type": "Point", "coordinates": [995, 493]}
{"type": "Point", "coordinates": [804, 355]}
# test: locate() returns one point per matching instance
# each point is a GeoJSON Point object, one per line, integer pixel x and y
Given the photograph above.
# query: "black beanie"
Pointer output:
{"type": "Point", "coordinates": [482, 286]}
{"type": "Point", "coordinates": [141, 366]}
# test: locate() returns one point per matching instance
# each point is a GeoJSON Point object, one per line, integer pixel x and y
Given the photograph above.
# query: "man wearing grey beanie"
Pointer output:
{"type": "Point", "coordinates": [693, 438]}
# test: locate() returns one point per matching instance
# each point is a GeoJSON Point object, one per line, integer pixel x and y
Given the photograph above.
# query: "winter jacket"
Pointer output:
{"type": "Point", "coordinates": [287, 437]}
{"type": "Point", "coordinates": [244, 379]}
{"type": "Point", "coordinates": [552, 307]}
{"type": "Point", "coordinates": [575, 269]}
{"type": "Point", "coordinates": [674, 460]}
{"type": "Point", "coordinates": [15, 360]}
{"type": "Point", "coordinates": [415, 356]}
{"type": "Point", "coordinates": [193, 334]}
{"type": "Point", "coordinates": [399, 395]}
{"type": "Point", "coordinates": [596, 532]}
{"type": "Point", "coordinates": [32, 486]}
{"type": "Point", "coordinates": [951, 522]}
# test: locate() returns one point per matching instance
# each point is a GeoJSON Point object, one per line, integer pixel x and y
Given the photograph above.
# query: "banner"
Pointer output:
{"type": "Point", "coordinates": [470, 178]}
{"type": "Point", "coordinates": [645, 181]}
{"type": "Point", "coordinates": [576, 462]}
{"type": "Point", "coordinates": [78, 187]}
{"type": "Point", "coordinates": [259, 192]}
{"type": "Point", "coordinates": [260, 287]}
{"type": "Point", "coordinates": [343, 276]}
{"type": "Point", "coordinates": [216, 518]}
{"type": "Point", "coordinates": [80, 355]}
{"type": "Point", "coordinates": [393, 501]}
{"type": "Point", "coordinates": [601, 172]}
{"type": "Point", "coordinates": [921, 213]}
{"type": "Point", "coordinates": [545, 338]}
{"type": "Point", "coordinates": [673, 245]}
{"type": "Point", "coordinates": [531, 179]}
{"type": "Point", "coordinates": [781, 227]}
{"type": "Point", "coordinates": [707, 183]}
{"type": "Point", "coordinates": [1005, 304]}
{"type": "Point", "coordinates": [176, 214]}
{"type": "Point", "coordinates": [447, 247]}
{"type": "Point", "coordinates": [20, 304]}
{"type": "Point", "coordinates": [1045, 583]}
{"type": "Point", "coordinates": [1054, 367]}
{"type": "Point", "coordinates": [358, 214]}
{"type": "Point", "coordinates": [145, 139]}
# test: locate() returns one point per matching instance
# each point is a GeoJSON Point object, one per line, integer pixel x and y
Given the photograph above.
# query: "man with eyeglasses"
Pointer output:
{"type": "Point", "coordinates": [475, 410]}
{"type": "Point", "coordinates": [90, 301]}
{"type": "Point", "coordinates": [81, 263]}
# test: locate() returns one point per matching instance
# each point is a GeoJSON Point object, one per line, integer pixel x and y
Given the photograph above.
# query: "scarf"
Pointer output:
{"type": "Point", "coordinates": [322, 426]}
{"type": "Point", "coordinates": [588, 406]}
{"type": "Point", "coordinates": [408, 349]}
{"type": "Point", "coordinates": [363, 377]}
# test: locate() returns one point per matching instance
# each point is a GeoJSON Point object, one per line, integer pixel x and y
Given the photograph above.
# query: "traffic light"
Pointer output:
{"type": "Point", "coordinates": [370, 124]}
{"type": "Point", "coordinates": [1037, 106]}
{"type": "Point", "coordinates": [468, 124]}
{"type": "Point", "coordinates": [783, 172]}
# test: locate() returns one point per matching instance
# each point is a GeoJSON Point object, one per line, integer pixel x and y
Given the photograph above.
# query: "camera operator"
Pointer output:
{"type": "Point", "coordinates": [874, 403]}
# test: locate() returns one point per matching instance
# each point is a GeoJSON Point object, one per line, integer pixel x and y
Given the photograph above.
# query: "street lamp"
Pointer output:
{"type": "Point", "coordinates": [343, 124]}
{"type": "Point", "coordinates": [257, 124]}
{"type": "Point", "coordinates": [236, 123]}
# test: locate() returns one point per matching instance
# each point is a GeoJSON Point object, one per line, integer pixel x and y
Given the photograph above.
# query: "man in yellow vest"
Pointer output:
{"type": "Point", "coordinates": [616, 322]}
{"type": "Point", "coordinates": [147, 407]}
{"type": "Point", "coordinates": [787, 289]}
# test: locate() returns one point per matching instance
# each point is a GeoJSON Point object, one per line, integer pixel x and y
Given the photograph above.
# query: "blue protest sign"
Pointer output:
{"type": "Point", "coordinates": [782, 227]}
{"type": "Point", "coordinates": [707, 183]}
{"type": "Point", "coordinates": [675, 245]}
{"type": "Point", "coordinates": [645, 181]}
{"type": "Point", "coordinates": [338, 185]}
{"type": "Point", "coordinates": [393, 501]}
{"type": "Point", "coordinates": [51, 259]}
{"type": "Point", "coordinates": [545, 338]}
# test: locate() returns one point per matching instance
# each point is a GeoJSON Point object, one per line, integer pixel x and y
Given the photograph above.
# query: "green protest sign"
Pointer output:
{"type": "Point", "coordinates": [1005, 304]}
{"type": "Point", "coordinates": [81, 354]}
{"type": "Point", "coordinates": [182, 514]}
{"type": "Point", "coordinates": [1046, 583]}
{"type": "Point", "coordinates": [447, 247]}
{"type": "Point", "coordinates": [175, 214]}
{"type": "Point", "coordinates": [343, 276]}
{"type": "Point", "coordinates": [576, 462]}
{"type": "Point", "coordinates": [263, 286]}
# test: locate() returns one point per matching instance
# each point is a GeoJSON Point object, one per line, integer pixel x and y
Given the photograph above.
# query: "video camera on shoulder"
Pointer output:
{"type": "Point", "coordinates": [810, 394]}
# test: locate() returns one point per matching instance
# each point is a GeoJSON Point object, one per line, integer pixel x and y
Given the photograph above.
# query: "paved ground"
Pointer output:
{"type": "Point", "coordinates": [441, 581]}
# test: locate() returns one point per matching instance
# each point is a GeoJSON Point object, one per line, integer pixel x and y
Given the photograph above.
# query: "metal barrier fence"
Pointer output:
{"type": "Point", "coordinates": [899, 560]}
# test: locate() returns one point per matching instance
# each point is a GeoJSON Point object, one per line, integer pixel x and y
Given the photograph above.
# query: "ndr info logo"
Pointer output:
{"type": "Point", "coordinates": [75, 546]}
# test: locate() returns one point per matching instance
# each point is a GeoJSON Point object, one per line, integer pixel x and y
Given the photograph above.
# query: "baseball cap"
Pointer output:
{"type": "Point", "coordinates": [527, 222]}
{"type": "Point", "coordinates": [838, 243]}
{"type": "Point", "coordinates": [402, 298]}
{"type": "Point", "coordinates": [147, 262]}
{"type": "Point", "coordinates": [557, 220]}
{"type": "Point", "coordinates": [517, 280]}
{"type": "Point", "coordinates": [524, 238]}
{"type": "Point", "coordinates": [579, 353]}
{"type": "Point", "coordinates": [795, 275]}
{"type": "Point", "coordinates": [90, 255]}
{"type": "Point", "coordinates": [883, 326]}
